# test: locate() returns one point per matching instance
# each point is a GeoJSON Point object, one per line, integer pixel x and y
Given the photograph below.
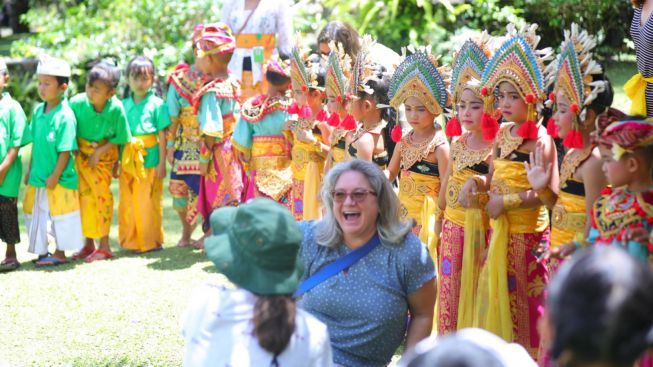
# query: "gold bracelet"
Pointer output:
{"type": "Point", "coordinates": [511, 201]}
{"type": "Point", "coordinates": [480, 184]}
{"type": "Point", "coordinates": [318, 144]}
{"type": "Point", "coordinates": [439, 214]}
{"type": "Point", "coordinates": [478, 200]}
{"type": "Point", "coordinates": [546, 194]}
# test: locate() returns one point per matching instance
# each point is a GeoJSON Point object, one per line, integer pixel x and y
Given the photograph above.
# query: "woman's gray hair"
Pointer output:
{"type": "Point", "coordinates": [391, 229]}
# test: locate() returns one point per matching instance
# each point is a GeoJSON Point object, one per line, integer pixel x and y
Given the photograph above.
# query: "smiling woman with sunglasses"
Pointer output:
{"type": "Point", "coordinates": [364, 270]}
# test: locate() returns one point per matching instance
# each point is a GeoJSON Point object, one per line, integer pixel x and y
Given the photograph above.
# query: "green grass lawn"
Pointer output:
{"type": "Point", "coordinates": [122, 312]}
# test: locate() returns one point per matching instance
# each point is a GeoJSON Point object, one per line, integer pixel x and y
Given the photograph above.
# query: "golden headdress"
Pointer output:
{"type": "Point", "coordinates": [520, 63]}
{"type": "Point", "coordinates": [468, 65]}
{"type": "Point", "coordinates": [571, 74]}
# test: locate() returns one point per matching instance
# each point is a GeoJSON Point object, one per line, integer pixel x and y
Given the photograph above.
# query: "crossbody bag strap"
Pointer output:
{"type": "Point", "coordinates": [248, 17]}
{"type": "Point", "coordinates": [337, 266]}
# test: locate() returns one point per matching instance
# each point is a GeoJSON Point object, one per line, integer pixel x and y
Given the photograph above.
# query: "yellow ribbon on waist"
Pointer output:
{"type": "Point", "coordinates": [133, 161]}
{"type": "Point", "coordinates": [492, 308]}
{"type": "Point", "coordinates": [635, 89]}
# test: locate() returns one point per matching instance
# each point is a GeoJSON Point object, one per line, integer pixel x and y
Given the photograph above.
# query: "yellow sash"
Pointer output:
{"type": "Point", "coordinates": [133, 162]}
{"type": "Point", "coordinates": [60, 200]}
{"type": "Point", "coordinates": [251, 40]}
{"type": "Point", "coordinates": [493, 302]}
{"type": "Point", "coordinates": [473, 246]}
{"type": "Point", "coordinates": [635, 89]}
{"type": "Point", "coordinates": [568, 219]}
{"type": "Point", "coordinates": [428, 217]}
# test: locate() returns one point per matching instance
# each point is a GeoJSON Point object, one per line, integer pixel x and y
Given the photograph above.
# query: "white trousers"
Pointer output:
{"type": "Point", "coordinates": [65, 230]}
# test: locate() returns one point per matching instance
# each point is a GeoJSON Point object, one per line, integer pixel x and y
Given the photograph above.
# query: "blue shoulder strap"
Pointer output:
{"type": "Point", "coordinates": [337, 266]}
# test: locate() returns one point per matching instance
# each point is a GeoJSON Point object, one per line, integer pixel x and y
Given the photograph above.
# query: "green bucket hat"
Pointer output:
{"type": "Point", "coordinates": [256, 246]}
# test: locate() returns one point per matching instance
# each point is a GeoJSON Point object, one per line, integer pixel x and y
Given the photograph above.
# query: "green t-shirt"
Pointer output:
{"type": "Point", "coordinates": [12, 135]}
{"type": "Point", "coordinates": [110, 124]}
{"type": "Point", "coordinates": [149, 116]}
{"type": "Point", "coordinates": [52, 133]}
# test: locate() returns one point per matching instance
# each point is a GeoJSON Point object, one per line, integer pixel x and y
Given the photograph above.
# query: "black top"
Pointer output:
{"type": "Point", "coordinates": [425, 168]}
{"type": "Point", "coordinates": [574, 187]}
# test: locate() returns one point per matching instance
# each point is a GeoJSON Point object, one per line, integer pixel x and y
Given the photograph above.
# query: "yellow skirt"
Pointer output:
{"type": "Point", "coordinates": [95, 197]}
{"type": "Point", "coordinates": [140, 214]}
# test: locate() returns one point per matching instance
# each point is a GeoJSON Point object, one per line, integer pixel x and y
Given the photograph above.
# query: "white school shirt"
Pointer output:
{"type": "Point", "coordinates": [217, 329]}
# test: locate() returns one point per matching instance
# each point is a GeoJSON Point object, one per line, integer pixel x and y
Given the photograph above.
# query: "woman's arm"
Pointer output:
{"type": "Point", "coordinates": [421, 304]}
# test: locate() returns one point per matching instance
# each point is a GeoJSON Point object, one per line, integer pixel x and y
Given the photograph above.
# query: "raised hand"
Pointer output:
{"type": "Point", "coordinates": [538, 171]}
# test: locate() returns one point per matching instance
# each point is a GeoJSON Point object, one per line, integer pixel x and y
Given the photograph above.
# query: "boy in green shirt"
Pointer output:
{"type": "Point", "coordinates": [12, 138]}
{"type": "Point", "coordinates": [51, 202]}
{"type": "Point", "coordinates": [101, 127]}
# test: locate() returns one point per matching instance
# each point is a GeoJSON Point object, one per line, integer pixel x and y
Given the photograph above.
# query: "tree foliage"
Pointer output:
{"type": "Point", "coordinates": [82, 31]}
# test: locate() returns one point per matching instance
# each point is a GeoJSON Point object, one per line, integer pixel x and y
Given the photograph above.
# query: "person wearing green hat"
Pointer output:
{"type": "Point", "coordinates": [255, 323]}
{"type": "Point", "coordinates": [365, 302]}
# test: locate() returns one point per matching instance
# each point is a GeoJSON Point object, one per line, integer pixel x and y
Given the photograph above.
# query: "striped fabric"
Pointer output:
{"type": "Point", "coordinates": [643, 37]}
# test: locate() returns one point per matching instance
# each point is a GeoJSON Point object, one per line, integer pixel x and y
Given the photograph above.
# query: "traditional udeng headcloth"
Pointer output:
{"type": "Point", "coordinates": [468, 65]}
{"type": "Point", "coordinates": [52, 66]}
{"type": "Point", "coordinates": [214, 38]}
{"type": "Point", "coordinates": [337, 83]}
{"type": "Point", "coordinates": [571, 74]}
{"type": "Point", "coordinates": [302, 75]}
{"type": "Point", "coordinates": [277, 66]}
{"type": "Point", "coordinates": [627, 135]}
{"type": "Point", "coordinates": [519, 63]}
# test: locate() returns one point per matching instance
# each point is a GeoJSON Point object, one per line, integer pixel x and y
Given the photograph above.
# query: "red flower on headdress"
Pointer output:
{"type": "Point", "coordinates": [530, 99]}
{"type": "Point", "coordinates": [552, 96]}
{"type": "Point", "coordinates": [453, 128]}
{"type": "Point", "coordinates": [573, 139]}
{"type": "Point", "coordinates": [321, 116]}
{"type": "Point", "coordinates": [349, 123]}
{"type": "Point", "coordinates": [396, 133]}
{"type": "Point", "coordinates": [528, 130]}
{"type": "Point", "coordinates": [293, 109]}
{"type": "Point", "coordinates": [484, 91]}
{"type": "Point", "coordinates": [552, 128]}
{"type": "Point", "coordinates": [305, 111]}
{"type": "Point", "coordinates": [334, 120]}
{"type": "Point", "coordinates": [489, 126]}
{"type": "Point", "coordinates": [574, 108]}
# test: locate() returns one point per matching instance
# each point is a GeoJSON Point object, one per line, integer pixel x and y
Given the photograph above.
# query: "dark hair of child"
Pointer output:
{"type": "Point", "coordinates": [139, 66]}
{"type": "Point", "coordinates": [274, 322]}
{"type": "Point", "coordinates": [343, 33]}
{"type": "Point", "coordinates": [638, 3]}
{"type": "Point", "coordinates": [600, 306]}
{"type": "Point", "coordinates": [62, 80]}
{"type": "Point", "coordinates": [104, 72]}
{"type": "Point", "coordinates": [276, 79]}
{"type": "Point", "coordinates": [380, 84]}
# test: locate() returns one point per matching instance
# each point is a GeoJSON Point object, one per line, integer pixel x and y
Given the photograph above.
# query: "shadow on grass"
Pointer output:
{"type": "Point", "coordinates": [30, 266]}
{"type": "Point", "coordinates": [173, 258]}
